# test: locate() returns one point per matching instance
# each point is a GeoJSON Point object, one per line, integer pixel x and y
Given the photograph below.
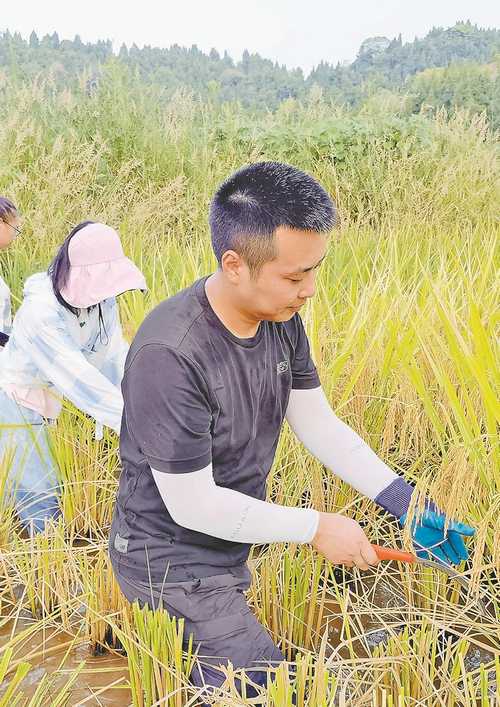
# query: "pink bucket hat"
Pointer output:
{"type": "Point", "coordinates": [98, 267]}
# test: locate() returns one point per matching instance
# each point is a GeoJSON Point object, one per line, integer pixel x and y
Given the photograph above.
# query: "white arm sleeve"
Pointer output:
{"type": "Point", "coordinates": [335, 444]}
{"type": "Point", "coordinates": [195, 501]}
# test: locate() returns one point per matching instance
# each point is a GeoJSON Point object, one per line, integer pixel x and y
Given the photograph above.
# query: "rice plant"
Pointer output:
{"type": "Point", "coordinates": [403, 329]}
{"type": "Point", "coordinates": [158, 663]}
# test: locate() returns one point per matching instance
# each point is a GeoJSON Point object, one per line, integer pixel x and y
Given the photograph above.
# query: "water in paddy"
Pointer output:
{"type": "Point", "coordinates": [46, 651]}
{"type": "Point", "coordinates": [103, 679]}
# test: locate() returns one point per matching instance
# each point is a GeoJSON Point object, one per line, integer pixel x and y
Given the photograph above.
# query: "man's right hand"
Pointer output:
{"type": "Point", "coordinates": [342, 541]}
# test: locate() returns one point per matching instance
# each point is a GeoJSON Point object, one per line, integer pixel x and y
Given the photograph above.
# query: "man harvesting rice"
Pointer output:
{"type": "Point", "coordinates": [209, 379]}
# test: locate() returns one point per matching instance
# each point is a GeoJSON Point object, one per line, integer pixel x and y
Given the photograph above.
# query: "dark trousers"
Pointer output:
{"type": "Point", "coordinates": [224, 628]}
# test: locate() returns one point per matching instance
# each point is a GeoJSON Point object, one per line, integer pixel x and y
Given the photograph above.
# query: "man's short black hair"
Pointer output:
{"type": "Point", "coordinates": [254, 201]}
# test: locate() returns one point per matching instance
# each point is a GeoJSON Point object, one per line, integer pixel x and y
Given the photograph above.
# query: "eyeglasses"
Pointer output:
{"type": "Point", "coordinates": [16, 228]}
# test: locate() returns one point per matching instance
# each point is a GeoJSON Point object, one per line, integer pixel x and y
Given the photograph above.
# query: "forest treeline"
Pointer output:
{"type": "Point", "coordinates": [450, 68]}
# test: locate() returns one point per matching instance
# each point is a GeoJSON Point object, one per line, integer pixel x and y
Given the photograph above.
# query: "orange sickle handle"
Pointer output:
{"type": "Point", "coordinates": [388, 553]}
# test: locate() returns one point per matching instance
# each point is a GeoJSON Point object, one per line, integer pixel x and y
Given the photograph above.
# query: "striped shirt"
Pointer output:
{"type": "Point", "coordinates": [53, 354]}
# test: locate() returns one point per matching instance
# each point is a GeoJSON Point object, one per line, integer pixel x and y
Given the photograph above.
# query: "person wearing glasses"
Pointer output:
{"type": "Point", "coordinates": [9, 229]}
{"type": "Point", "coordinates": [66, 342]}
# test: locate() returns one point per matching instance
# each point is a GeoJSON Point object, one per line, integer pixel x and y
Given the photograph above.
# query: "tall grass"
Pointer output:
{"type": "Point", "coordinates": [403, 329]}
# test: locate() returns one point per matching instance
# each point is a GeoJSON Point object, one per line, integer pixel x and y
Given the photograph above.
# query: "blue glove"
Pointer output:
{"type": "Point", "coordinates": [428, 532]}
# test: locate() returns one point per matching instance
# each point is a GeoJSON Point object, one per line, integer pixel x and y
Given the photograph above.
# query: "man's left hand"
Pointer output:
{"type": "Point", "coordinates": [431, 541]}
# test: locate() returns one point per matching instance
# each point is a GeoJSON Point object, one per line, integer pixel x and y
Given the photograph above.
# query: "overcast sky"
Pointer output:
{"type": "Point", "coordinates": [293, 32]}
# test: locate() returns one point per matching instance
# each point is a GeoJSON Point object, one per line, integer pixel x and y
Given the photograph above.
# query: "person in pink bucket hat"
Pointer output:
{"type": "Point", "coordinates": [98, 267]}
{"type": "Point", "coordinates": [66, 341]}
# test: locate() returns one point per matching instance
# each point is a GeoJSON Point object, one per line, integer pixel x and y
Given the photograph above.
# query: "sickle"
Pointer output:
{"type": "Point", "coordinates": [389, 553]}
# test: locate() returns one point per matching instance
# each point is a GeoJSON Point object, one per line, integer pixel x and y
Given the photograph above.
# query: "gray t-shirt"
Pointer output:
{"type": "Point", "coordinates": [195, 394]}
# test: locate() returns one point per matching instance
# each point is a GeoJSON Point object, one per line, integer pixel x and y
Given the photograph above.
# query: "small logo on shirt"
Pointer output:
{"type": "Point", "coordinates": [282, 367]}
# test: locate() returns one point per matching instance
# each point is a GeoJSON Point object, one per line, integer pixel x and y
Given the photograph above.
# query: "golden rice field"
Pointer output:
{"type": "Point", "coordinates": [404, 331]}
